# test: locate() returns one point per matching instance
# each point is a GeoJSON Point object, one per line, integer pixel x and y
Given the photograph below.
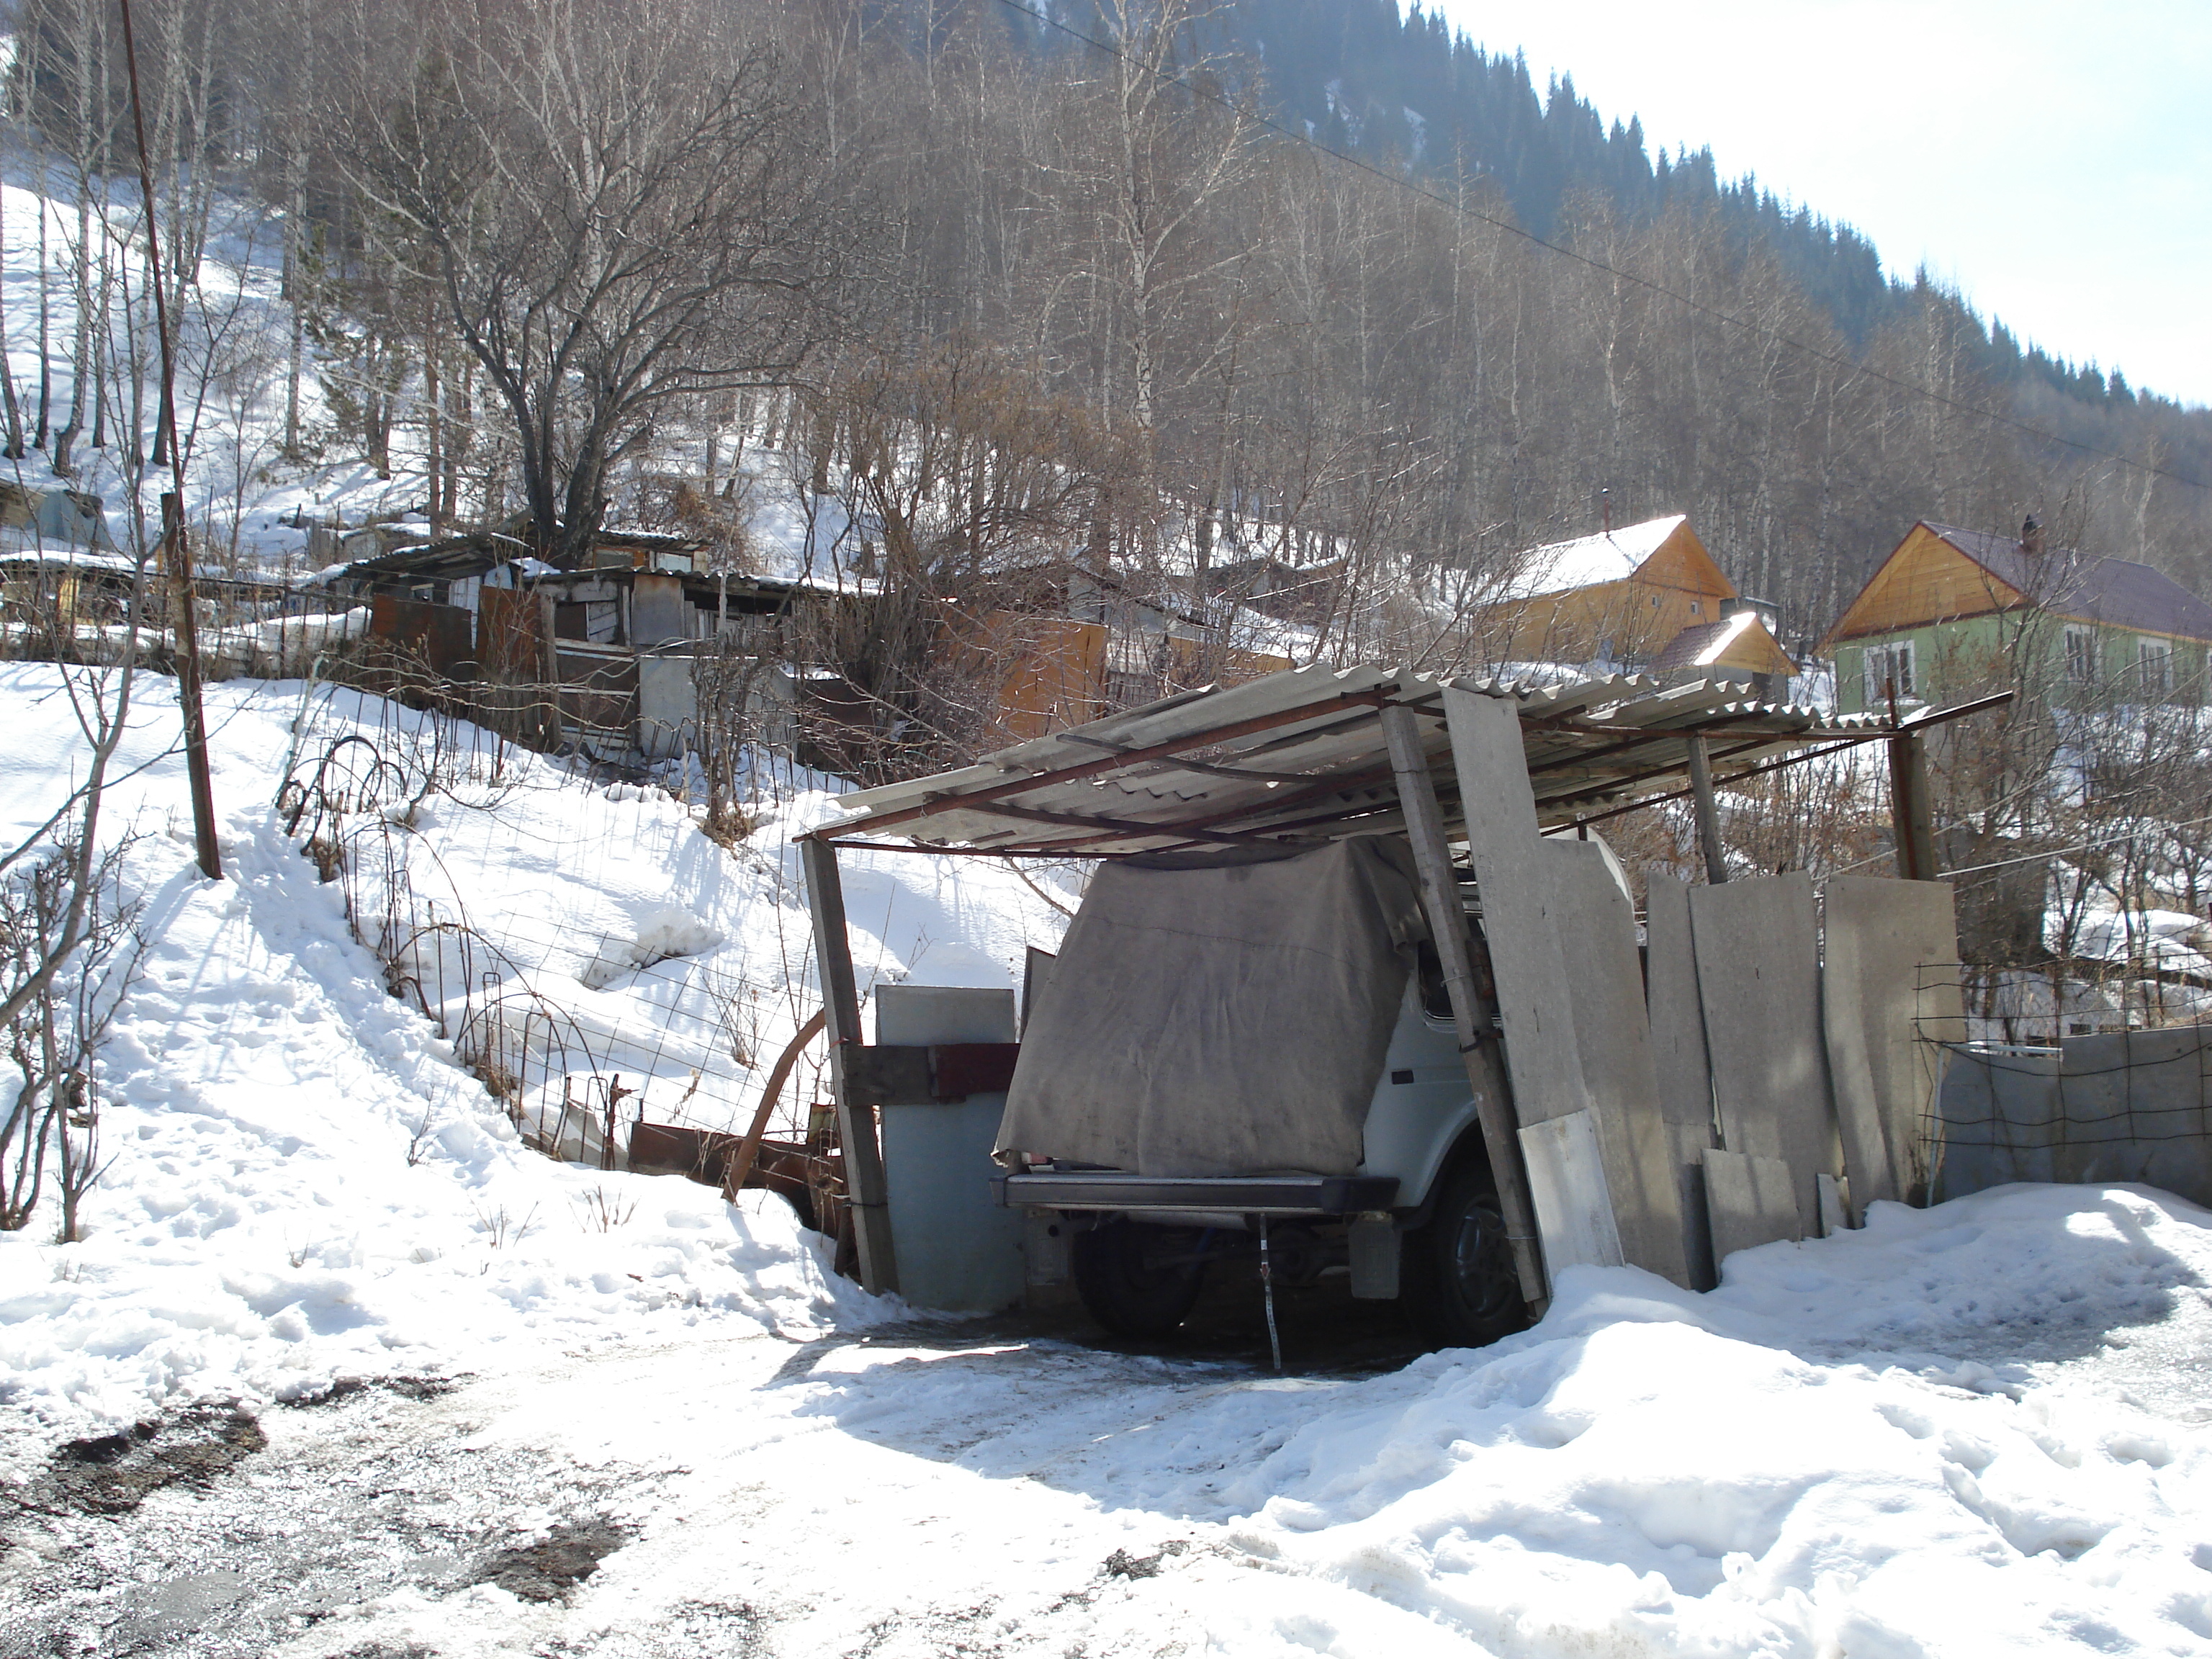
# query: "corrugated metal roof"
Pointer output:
{"type": "Point", "coordinates": [2118, 592]}
{"type": "Point", "coordinates": [1299, 757]}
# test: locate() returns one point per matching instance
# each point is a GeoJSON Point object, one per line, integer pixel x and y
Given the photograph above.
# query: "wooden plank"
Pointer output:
{"type": "Point", "coordinates": [1471, 1010]}
{"type": "Point", "coordinates": [1708, 812]}
{"type": "Point", "coordinates": [856, 1122]}
{"type": "Point", "coordinates": [1749, 1201]}
{"type": "Point", "coordinates": [1911, 821]}
{"type": "Point", "coordinates": [1759, 979]}
{"type": "Point", "coordinates": [1678, 1053]}
{"type": "Point", "coordinates": [1566, 1174]}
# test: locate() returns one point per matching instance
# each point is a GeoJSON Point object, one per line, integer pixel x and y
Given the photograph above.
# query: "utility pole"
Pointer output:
{"type": "Point", "coordinates": [176, 548]}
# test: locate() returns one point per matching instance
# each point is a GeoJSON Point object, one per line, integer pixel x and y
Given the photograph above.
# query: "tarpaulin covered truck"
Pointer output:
{"type": "Point", "coordinates": [1355, 986]}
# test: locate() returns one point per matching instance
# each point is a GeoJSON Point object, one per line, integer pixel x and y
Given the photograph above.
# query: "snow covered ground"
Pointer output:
{"type": "Point", "coordinates": [1985, 1428]}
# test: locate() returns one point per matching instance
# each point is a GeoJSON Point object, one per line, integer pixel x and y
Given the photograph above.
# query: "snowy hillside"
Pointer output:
{"type": "Point", "coordinates": [305, 1183]}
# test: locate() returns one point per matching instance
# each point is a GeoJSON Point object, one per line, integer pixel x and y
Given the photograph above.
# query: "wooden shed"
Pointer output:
{"type": "Point", "coordinates": [1621, 598]}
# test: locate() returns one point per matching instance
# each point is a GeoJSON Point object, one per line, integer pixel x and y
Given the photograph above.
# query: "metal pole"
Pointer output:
{"type": "Point", "coordinates": [841, 1014]}
{"type": "Point", "coordinates": [1708, 814]}
{"type": "Point", "coordinates": [1471, 1010]}
{"type": "Point", "coordinates": [176, 549]}
{"type": "Point", "coordinates": [1267, 1295]}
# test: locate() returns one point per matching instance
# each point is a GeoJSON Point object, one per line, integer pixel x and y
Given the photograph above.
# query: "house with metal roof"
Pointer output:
{"type": "Point", "coordinates": [1953, 610]}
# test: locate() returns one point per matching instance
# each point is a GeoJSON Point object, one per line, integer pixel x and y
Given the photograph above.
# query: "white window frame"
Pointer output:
{"type": "Point", "coordinates": [1880, 662]}
{"type": "Point", "coordinates": [2079, 645]}
{"type": "Point", "coordinates": [2151, 650]}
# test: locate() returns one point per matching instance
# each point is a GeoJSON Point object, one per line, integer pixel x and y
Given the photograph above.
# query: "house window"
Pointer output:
{"type": "Point", "coordinates": [1889, 670]}
{"type": "Point", "coordinates": [2081, 654]}
{"type": "Point", "coordinates": [1697, 607]}
{"type": "Point", "coordinates": [2155, 662]}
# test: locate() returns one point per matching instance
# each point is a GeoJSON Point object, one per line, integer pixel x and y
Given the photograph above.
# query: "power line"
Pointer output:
{"type": "Point", "coordinates": [1215, 96]}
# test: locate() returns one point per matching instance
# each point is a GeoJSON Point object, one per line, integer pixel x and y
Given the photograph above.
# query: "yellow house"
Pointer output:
{"type": "Point", "coordinates": [1646, 596]}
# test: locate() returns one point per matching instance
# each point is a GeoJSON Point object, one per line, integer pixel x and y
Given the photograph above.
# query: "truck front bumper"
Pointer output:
{"type": "Point", "coordinates": [1116, 1190]}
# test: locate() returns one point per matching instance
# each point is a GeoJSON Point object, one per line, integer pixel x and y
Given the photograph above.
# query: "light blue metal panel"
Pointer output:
{"type": "Point", "coordinates": [957, 1249]}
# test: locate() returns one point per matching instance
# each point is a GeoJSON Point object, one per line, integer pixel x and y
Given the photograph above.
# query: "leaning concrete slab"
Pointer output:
{"type": "Point", "coordinates": [1562, 937]}
{"type": "Point", "coordinates": [1751, 1201]}
{"type": "Point", "coordinates": [1677, 1056]}
{"type": "Point", "coordinates": [1519, 920]}
{"type": "Point", "coordinates": [958, 1248]}
{"type": "Point", "coordinates": [1566, 1181]}
{"type": "Point", "coordinates": [1889, 998]}
{"type": "Point", "coordinates": [1758, 978]}
{"type": "Point", "coordinates": [1596, 924]}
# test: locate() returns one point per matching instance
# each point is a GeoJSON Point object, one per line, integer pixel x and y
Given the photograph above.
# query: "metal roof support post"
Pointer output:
{"type": "Point", "coordinates": [856, 1121]}
{"type": "Point", "coordinates": [1471, 1011]}
{"type": "Point", "coordinates": [1911, 814]}
{"type": "Point", "coordinates": [1708, 814]}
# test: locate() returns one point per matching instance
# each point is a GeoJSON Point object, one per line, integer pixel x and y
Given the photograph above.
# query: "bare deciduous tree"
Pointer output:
{"type": "Point", "coordinates": [622, 207]}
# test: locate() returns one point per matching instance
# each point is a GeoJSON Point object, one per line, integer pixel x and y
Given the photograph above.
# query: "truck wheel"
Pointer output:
{"type": "Point", "coordinates": [1125, 1293]}
{"type": "Point", "coordinates": [1462, 1288]}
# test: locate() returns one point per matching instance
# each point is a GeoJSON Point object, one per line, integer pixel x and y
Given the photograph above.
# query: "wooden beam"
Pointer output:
{"type": "Point", "coordinates": [856, 1123]}
{"type": "Point", "coordinates": [1708, 812]}
{"type": "Point", "coordinates": [1471, 1011]}
{"type": "Point", "coordinates": [1911, 814]}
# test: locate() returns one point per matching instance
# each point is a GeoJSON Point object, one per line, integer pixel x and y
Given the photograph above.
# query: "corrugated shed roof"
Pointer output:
{"type": "Point", "coordinates": [2118, 592]}
{"type": "Point", "coordinates": [1298, 757]}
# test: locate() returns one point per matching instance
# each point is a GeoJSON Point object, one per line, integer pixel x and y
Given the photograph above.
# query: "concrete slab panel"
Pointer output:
{"type": "Point", "coordinates": [1519, 907]}
{"type": "Point", "coordinates": [957, 1248]}
{"type": "Point", "coordinates": [1595, 925]}
{"type": "Point", "coordinates": [1566, 1182]}
{"type": "Point", "coordinates": [1759, 979]}
{"type": "Point", "coordinates": [1890, 980]}
{"type": "Point", "coordinates": [1679, 1062]}
{"type": "Point", "coordinates": [2126, 1106]}
{"type": "Point", "coordinates": [1835, 1205]}
{"type": "Point", "coordinates": [1751, 1201]}
{"type": "Point", "coordinates": [1562, 938]}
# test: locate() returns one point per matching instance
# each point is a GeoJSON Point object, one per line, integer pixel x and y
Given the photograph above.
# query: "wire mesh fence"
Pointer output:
{"type": "Point", "coordinates": [687, 1044]}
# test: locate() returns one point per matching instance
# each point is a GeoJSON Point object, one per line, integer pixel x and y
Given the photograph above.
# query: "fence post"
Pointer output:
{"type": "Point", "coordinates": [1912, 813]}
{"type": "Point", "coordinates": [856, 1122]}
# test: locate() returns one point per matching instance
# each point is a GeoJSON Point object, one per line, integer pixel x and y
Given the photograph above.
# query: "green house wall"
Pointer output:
{"type": "Point", "coordinates": [1953, 659]}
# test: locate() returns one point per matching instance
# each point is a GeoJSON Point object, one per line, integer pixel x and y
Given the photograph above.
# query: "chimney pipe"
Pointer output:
{"type": "Point", "coordinates": [1605, 504]}
{"type": "Point", "coordinates": [2031, 537]}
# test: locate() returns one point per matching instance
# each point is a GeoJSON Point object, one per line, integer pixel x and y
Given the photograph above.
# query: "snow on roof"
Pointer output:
{"type": "Point", "coordinates": [1703, 644]}
{"type": "Point", "coordinates": [1608, 556]}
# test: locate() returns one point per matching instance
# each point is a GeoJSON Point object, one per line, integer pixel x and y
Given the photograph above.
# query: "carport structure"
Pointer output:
{"type": "Point", "coordinates": [1300, 758]}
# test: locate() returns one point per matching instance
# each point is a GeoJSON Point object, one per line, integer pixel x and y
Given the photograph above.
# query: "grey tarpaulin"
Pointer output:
{"type": "Point", "coordinates": [1223, 1020]}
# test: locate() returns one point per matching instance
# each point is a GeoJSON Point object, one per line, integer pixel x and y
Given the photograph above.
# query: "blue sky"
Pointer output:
{"type": "Point", "coordinates": [2053, 161]}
